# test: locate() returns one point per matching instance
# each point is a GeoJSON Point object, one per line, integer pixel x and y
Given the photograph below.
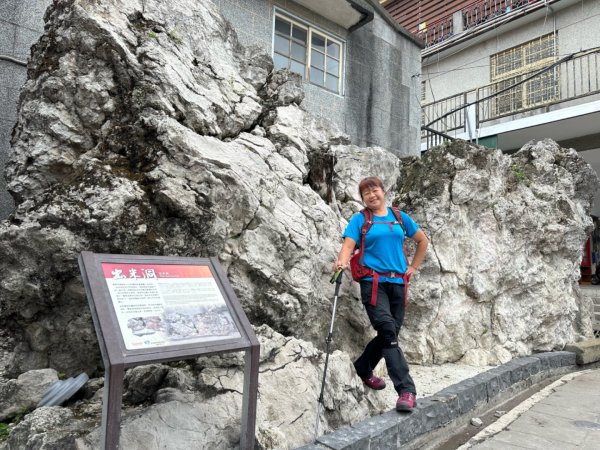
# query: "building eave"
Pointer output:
{"type": "Point", "coordinates": [352, 14]}
{"type": "Point", "coordinates": [340, 12]}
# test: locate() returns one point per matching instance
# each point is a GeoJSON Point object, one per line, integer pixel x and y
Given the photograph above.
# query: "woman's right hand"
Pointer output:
{"type": "Point", "coordinates": [338, 265]}
{"type": "Point", "coordinates": [344, 255]}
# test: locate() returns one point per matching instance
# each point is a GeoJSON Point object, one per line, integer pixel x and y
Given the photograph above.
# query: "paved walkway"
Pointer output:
{"type": "Point", "coordinates": [563, 416]}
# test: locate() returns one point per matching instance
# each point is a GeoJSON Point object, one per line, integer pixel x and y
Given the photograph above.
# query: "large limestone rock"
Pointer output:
{"type": "Point", "coordinates": [21, 395]}
{"type": "Point", "coordinates": [198, 404]}
{"type": "Point", "coordinates": [145, 128]}
{"type": "Point", "coordinates": [507, 234]}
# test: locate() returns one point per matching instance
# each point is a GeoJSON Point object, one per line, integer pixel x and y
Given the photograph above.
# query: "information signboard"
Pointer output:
{"type": "Point", "coordinates": [149, 309]}
{"type": "Point", "coordinates": [159, 305]}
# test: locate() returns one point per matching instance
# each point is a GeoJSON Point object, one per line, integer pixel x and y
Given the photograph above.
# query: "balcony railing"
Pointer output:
{"type": "Point", "coordinates": [473, 15]}
{"type": "Point", "coordinates": [437, 31]}
{"type": "Point", "coordinates": [569, 79]}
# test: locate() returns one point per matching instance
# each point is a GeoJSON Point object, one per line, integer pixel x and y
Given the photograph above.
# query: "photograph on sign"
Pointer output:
{"type": "Point", "coordinates": [159, 305]}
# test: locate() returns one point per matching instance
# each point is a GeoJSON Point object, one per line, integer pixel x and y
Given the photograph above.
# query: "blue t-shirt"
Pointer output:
{"type": "Point", "coordinates": [383, 246]}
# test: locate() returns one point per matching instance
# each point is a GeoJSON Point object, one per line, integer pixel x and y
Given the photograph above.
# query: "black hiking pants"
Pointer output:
{"type": "Point", "coordinates": [386, 318]}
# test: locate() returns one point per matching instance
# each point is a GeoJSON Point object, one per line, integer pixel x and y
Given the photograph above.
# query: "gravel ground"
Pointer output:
{"type": "Point", "coordinates": [431, 379]}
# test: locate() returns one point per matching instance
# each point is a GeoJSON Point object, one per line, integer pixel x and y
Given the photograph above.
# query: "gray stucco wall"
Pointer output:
{"type": "Point", "coordinates": [380, 105]}
{"type": "Point", "coordinates": [21, 23]}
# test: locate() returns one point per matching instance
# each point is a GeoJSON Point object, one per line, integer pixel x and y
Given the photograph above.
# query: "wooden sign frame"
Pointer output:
{"type": "Point", "coordinates": [117, 351]}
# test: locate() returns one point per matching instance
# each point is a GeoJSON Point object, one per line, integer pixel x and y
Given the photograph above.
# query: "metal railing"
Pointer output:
{"type": "Point", "coordinates": [434, 137]}
{"type": "Point", "coordinates": [472, 15]}
{"type": "Point", "coordinates": [570, 78]}
{"type": "Point", "coordinates": [483, 11]}
{"type": "Point", "coordinates": [438, 31]}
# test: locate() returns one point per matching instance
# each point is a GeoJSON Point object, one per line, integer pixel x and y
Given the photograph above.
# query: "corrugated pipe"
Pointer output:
{"type": "Point", "coordinates": [13, 60]}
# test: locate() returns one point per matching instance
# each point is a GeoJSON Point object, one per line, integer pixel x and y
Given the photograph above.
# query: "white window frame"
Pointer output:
{"type": "Point", "coordinates": [310, 29]}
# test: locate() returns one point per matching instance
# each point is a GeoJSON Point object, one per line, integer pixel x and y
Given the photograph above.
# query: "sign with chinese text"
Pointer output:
{"type": "Point", "coordinates": [153, 309]}
{"type": "Point", "coordinates": [167, 304]}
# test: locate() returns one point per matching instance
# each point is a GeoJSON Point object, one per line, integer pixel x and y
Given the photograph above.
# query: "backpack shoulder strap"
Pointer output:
{"type": "Point", "coordinates": [396, 212]}
{"type": "Point", "coordinates": [398, 216]}
{"type": "Point", "coordinates": [368, 221]}
{"type": "Point", "coordinates": [366, 212]}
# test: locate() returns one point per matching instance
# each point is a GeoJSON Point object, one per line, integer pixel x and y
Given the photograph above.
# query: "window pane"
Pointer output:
{"type": "Point", "coordinates": [282, 45]}
{"type": "Point", "coordinates": [333, 49]}
{"type": "Point", "coordinates": [318, 42]}
{"type": "Point", "coordinates": [317, 60]}
{"type": "Point", "coordinates": [317, 76]}
{"type": "Point", "coordinates": [282, 26]}
{"type": "Point", "coordinates": [332, 83]}
{"type": "Point", "coordinates": [333, 67]}
{"type": "Point", "coordinates": [299, 34]}
{"type": "Point", "coordinates": [298, 52]}
{"type": "Point", "coordinates": [298, 68]}
{"type": "Point", "coordinates": [280, 61]}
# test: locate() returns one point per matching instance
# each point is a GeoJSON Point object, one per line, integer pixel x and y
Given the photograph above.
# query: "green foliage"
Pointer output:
{"type": "Point", "coordinates": [61, 375]}
{"type": "Point", "coordinates": [19, 416]}
{"type": "Point", "coordinates": [4, 431]}
{"type": "Point", "coordinates": [174, 37]}
{"type": "Point", "coordinates": [519, 173]}
{"type": "Point", "coordinates": [152, 35]}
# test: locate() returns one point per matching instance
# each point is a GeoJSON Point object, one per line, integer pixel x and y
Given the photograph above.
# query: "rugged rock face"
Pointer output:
{"type": "Point", "coordinates": [145, 128]}
{"type": "Point", "coordinates": [137, 137]}
{"type": "Point", "coordinates": [24, 393]}
{"type": "Point", "coordinates": [506, 241]}
{"type": "Point", "coordinates": [198, 404]}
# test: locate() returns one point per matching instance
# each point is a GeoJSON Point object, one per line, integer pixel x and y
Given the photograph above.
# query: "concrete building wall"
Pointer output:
{"type": "Point", "coordinates": [470, 65]}
{"type": "Point", "coordinates": [21, 23]}
{"type": "Point", "coordinates": [383, 89]}
{"type": "Point", "coordinates": [379, 105]}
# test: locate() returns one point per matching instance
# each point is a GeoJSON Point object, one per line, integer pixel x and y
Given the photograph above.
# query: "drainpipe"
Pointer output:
{"type": "Point", "coordinates": [13, 60]}
{"type": "Point", "coordinates": [367, 16]}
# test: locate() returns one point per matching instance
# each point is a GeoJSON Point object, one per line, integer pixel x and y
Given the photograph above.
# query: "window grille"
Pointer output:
{"type": "Point", "coordinates": [513, 65]}
{"type": "Point", "coordinates": [320, 62]}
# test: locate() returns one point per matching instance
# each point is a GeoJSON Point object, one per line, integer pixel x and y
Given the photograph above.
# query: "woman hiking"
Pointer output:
{"type": "Point", "coordinates": [385, 272]}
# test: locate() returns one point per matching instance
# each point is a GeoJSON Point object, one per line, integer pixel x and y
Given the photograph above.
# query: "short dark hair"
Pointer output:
{"type": "Point", "coordinates": [369, 182]}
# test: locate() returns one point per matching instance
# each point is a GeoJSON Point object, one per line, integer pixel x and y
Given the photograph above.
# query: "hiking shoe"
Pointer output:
{"type": "Point", "coordinates": [406, 401]}
{"type": "Point", "coordinates": [374, 382]}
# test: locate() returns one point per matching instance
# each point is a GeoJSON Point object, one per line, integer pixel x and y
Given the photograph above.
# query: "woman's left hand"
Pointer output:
{"type": "Point", "coordinates": [410, 270]}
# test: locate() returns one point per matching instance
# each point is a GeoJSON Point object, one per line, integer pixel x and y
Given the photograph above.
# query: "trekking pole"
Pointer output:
{"type": "Point", "coordinates": [337, 279]}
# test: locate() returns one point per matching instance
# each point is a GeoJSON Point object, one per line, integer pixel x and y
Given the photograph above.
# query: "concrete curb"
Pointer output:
{"type": "Point", "coordinates": [396, 430]}
{"type": "Point", "coordinates": [587, 351]}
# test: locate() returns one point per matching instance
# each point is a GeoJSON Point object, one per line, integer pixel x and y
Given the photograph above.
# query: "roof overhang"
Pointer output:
{"type": "Point", "coordinates": [339, 12]}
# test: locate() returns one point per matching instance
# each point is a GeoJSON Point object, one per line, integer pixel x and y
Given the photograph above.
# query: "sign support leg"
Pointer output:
{"type": "Point", "coordinates": [251, 360]}
{"type": "Point", "coordinates": [111, 407]}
